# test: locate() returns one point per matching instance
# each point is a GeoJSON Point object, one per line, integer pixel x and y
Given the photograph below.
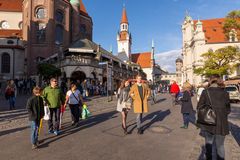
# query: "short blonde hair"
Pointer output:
{"type": "Point", "coordinates": [187, 86]}
{"type": "Point", "coordinates": [37, 90]}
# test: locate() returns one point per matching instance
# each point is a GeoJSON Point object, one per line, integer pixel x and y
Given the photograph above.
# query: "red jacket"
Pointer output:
{"type": "Point", "coordinates": [174, 88]}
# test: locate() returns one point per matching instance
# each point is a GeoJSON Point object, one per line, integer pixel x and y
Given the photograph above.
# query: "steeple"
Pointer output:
{"type": "Point", "coordinates": [124, 38]}
{"type": "Point", "coordinates": [82, 8]}
{"type": "Point", "coordinates": [152, 54]}
{"type": "Point", "coordinates": [124, 16]}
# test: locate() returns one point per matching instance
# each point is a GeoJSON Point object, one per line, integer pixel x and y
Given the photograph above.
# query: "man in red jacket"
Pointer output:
{"type": "Point", "coordinates": [174, 90]}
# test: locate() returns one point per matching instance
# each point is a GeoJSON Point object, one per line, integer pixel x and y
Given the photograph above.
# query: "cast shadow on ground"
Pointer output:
{"type": "Point", "coordinates": [92, 121]}
{"type": "Point", "coordinates": [13, 116]}
{"type": "Point", "coordinates": [235, 131]}
{"type": "Point", "coordinates": [2, 133]}
{"type": "Point", "coordinates": [160, 100]}
{"type": "Point", "coordinates": [154, 117]}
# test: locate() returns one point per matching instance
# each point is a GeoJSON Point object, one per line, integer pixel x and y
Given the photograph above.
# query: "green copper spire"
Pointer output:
{"type": "Point", "coordinates": [75, 2]}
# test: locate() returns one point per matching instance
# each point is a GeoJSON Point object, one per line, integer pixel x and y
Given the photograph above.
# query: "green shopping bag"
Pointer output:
{"type": "Point", "coordinates": [85, 112]}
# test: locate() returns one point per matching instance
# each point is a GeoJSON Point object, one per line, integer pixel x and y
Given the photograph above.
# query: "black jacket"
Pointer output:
{"type": "Point", "coordinates": [35, 108]}
{"type": "Point", "coordinates": [221, 106]}
{"type": "Point", "coordinates": [187, 106]}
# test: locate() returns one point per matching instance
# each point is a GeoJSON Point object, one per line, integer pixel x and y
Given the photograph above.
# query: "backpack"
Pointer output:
{"type": "Point", "coordinates": [9, 92]}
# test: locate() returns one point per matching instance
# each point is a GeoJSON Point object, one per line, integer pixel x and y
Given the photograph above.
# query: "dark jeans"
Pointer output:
{"type": "Point", "coordinates": [56, 112]}
{"type": "Point", "coordinates": [186, 119]}
{"type": "Point", "coordinates": [75, 111]}
{"type": "Point", "coordinates": [12, 100]}
{"type": "Point", "coordinates": [34, 131]}
{"type": "Point", "coordinates": [219, 142]}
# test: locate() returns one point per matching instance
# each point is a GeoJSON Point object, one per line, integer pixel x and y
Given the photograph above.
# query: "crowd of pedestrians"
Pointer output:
{"type": "Point", "coordinates": [130, 95]}
{"type": "Point", "coordinates": [210, 93]}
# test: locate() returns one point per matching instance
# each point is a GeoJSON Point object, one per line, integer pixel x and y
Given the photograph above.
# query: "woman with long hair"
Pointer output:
{"type": "Point", "coordinates": [187, 107]}
{"type": "Point", "coordinates": [124, 102]}
{"type": "Point", "coordinates": [218, 99]}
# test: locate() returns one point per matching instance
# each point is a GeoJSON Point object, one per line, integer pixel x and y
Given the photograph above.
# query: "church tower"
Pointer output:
{"type": "Point", "coordinates": [124, 38]}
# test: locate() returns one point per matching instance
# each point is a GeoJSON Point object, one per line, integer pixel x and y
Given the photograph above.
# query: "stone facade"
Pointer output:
{"type": "Point", "coordinates": [11, 53]}
{"type": "Point", "coordinates": [199, 37]}
{"type": "Point", "coordinates": [49, 25]}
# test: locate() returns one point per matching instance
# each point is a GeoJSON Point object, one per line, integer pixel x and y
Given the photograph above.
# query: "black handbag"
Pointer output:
{"type": "Point", "coordinates": [206, 115]}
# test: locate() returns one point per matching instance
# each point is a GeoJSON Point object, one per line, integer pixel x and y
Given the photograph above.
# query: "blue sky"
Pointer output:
{"type": "Point", "coordinates": [152, 19]}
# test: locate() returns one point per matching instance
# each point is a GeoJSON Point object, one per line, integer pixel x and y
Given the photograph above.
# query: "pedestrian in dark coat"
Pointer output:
{"type": "Point", "coordinates": [35, 110]}
{"type": "Point", "coordinates": [221, 105]}
{"type": "Point", "coordinates": [187, 107]}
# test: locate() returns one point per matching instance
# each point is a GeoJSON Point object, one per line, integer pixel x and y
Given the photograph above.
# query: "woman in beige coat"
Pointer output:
{"type": "Point", "coordinates": [140, 93]}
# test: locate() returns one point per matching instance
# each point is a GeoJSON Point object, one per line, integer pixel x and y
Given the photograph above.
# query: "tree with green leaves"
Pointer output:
{"type": "Point", "coordinates": [222, 62]}
{"type": "Point", "coordinates": [47, 70]}
{"type": "Point", "coordinates": [232, 21]}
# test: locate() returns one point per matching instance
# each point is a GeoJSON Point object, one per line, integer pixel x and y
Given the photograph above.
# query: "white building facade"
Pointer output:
{"type": "Point", "coordinates": [199, 37]}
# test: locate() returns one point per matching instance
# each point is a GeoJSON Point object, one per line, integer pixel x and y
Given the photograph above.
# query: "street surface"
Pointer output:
{"type": "Point", "coordinates": [101, 137]}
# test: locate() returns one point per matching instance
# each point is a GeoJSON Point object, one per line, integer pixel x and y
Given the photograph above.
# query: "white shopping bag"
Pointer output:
{"type": "Point", "coordinates": [46, 113]}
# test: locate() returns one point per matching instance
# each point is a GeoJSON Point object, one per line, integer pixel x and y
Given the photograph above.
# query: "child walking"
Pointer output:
{"type": "Point", "coordinates": [35, 110]}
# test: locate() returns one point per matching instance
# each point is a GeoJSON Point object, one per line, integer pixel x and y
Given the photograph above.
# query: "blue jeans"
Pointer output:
{"type": "Point", "coordinates": [11, 101]}
{"type": "Point", "coordinates": [186, 119]}
{"type": "Point", "coordinates": [219, 142]}
{"type": "Point", "coordinates": [34, 131]}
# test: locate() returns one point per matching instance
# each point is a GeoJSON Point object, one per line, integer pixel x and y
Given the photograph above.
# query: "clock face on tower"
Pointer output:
{"type": "Point", "coordinates": [4, 25]}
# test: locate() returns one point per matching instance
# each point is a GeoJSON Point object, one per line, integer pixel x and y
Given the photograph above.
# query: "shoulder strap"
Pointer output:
{"type": "Point", "coordinates": [75, 96]}
{"type": "Point", "coordinates": [209, 97]}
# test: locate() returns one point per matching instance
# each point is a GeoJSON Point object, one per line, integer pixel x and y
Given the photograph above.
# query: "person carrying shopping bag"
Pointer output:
{"type": "Point", "coordinates": [75, 101]}
{"type": "Point", "coordinates": [214, 100]}
{"type": "Point", "coordinates": [54, 98]}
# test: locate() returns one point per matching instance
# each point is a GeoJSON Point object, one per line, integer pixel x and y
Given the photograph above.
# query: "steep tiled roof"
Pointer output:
{"type": "Point", "coordinates": [213, 29]}
{"type": "Point", "coordinates": [143, 59]}
{"type": "Point", "coordinates": [11, 5]}
{"type": "Point", "coordinates": [10, 33]}
{"type": "Point", "coordinates": [83, 10]}
{"type": "Point", "coordinates": [124, 16]}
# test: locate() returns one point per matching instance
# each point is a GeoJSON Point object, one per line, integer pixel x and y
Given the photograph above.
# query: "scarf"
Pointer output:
{"type": "Point", "coordinates": [124, 94]}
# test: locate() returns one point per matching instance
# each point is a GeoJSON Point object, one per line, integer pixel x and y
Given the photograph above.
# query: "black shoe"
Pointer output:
{"type": "Point", "coordinates": [140, 131]}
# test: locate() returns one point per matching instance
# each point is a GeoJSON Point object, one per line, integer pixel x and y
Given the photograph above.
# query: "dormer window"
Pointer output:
{"type": "Point", "coordinates": [233, 36]}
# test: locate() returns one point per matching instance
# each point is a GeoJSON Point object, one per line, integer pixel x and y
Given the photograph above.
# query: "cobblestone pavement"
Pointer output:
{"type": "Point", "coordinates": [100, 137]}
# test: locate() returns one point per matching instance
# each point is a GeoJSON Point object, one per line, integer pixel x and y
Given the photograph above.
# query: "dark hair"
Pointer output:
{"type": "Point", "coordinates": [122, 85]}
{"type": "Point", "coordinates": [215, 78]}
{"type": "Point", "coordinates": [73, 84]}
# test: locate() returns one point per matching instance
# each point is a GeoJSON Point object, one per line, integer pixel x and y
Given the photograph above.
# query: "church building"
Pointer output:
{"type": "Point", "coordinates": [145, 59]}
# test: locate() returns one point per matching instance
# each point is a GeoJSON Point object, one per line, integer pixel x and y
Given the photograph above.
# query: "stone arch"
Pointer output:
{"type": "Point", "coordinates": [78, 75]}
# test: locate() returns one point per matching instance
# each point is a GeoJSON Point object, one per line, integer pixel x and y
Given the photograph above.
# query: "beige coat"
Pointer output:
{"type": "Point", "coordinates": [137, 102]}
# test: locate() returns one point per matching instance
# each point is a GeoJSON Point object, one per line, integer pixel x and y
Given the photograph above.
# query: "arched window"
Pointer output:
{"type": "Point", "coordinates": [41, 32]}
{"type": "Point", "coordinates": [59, 16]}
{"type": "Point", "coordinates": [59, 34]}
{"type": "Point", "coordinates": [40, 13]}
{"type": "Point", "coordinates": [5, 63]}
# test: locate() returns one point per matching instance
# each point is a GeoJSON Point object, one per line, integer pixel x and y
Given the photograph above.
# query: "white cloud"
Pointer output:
{"type": "Point", "coordinates": [167, 59]}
